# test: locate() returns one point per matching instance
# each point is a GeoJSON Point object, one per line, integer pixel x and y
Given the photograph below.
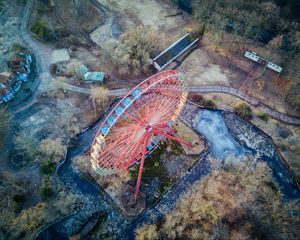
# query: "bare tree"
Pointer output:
{"type": "Point", "coordinates": [231, 195]}
{"type": "Point", "coordinates": [81, 10]}
{"type": "Point", "coordinates": [52, 148]}
{"type": "Point", "coordinates": [133, 53]}
{"type": "Point", "coordinates": [99, 97]}
{"type": "Point", "coordinates": [5, 121]}
{"type": "Point", "coordinates": [25, 142]}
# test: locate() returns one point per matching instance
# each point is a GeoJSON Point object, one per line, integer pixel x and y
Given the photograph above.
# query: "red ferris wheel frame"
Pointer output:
{"type": "Point", "coordinates": [137, 124]}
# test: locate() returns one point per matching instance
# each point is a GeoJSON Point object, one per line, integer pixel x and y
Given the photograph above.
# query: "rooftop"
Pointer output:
{"type": "Point", "coordinates": [60, 55]}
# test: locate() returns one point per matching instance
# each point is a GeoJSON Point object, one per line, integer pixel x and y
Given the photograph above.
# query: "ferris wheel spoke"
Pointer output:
{"type": "Point", "coordinates": [114, 145]}
{"type": "Point", "coordinates": [132, 117]}
{"type": "Point", "coordinates": [135, 151]}
{"type": "Point", "coordinates": [141, 165]}
{"type": "Point", "coordinates": [121, 160]}
{"type": "Point", "coordinates": [163, 133]}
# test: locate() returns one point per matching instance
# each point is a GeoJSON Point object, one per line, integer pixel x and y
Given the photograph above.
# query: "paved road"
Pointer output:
{"type": "Point", "coordinates": [41, 53]}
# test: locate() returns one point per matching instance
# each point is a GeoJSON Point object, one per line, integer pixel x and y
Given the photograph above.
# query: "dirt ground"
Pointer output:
{"type": "Point", "coordinates": [163, 16]}
{"type": "Point", "coordinates": [200, 69]}
{"type": "Point", "coordinates": [157, 14]}
{"type": "Point", "coordinates": [188, 135]}
{"type": "Point", "coordinates": [205, 66]}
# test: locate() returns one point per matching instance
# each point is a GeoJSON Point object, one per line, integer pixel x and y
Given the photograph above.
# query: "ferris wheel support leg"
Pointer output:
{"type": "Point", "coordinates": [136, 150]}
{"type": "Point", "coordinates": [141, 166]}
{"type": "Point", "coordinates": [171, 137]}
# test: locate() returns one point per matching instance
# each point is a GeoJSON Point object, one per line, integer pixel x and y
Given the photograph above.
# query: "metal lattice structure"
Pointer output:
{"type": "Point", "coordinates": [136, 125]}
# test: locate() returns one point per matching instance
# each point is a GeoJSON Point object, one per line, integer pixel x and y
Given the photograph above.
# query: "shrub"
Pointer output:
{"type": "Point", "coordinates": [41, 30]}
{"type": "Point", "coordinates": [27, 223]}
{"type": "Point", "coordinates": [19, 198]}
{"type": "Point", "coordinates": [48, 167]}
{"type": "Point", "coordinates": [243, 110]}
{"type": "Point", "coordinates": [52, 148]}
{"type": "Point", "coordinates": [46, 192]}
{"type": "Point", "coordinates": [16, 47]}
{"type": "Point", "coordinates": [46, 189]}
{"type": "Point", "coordinates": [131, 55]}
{"type": "Point", "coordinates": [282, 146]}
{"type": "Point", "coordinates": [207, 103]}
{"type": "Point", "coordinates": [262, 115]}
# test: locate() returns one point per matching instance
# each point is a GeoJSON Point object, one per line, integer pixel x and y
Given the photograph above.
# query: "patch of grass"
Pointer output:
{"type": "Point", "coordinates": [41, 30]}
{"type": "Point", "coordinates": [263, 116]}
{"type": "Point", "coordinates": [153, 168]}
{"type": "Point", "coordinates": [19, 198]}
{"type": "Point", "coordinates": [46, 189]}
{"type": "Point", "coordinates": [48, 167]}
{"type": "Point", "coordinates": [176, 148]}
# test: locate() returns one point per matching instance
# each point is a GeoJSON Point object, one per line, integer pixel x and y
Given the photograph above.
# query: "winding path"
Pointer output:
{"type": "Point", "coordinates": [41, 53]}
{"type": "Point", "coordinates": [208, 89]}
{"type": "Point", "coordinates": [238, 93]}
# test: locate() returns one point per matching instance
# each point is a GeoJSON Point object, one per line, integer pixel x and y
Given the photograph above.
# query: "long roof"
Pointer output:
{"type": "Point", "coordinates": [173, 51]}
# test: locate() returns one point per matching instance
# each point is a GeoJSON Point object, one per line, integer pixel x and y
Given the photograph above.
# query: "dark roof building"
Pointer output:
{"type": "Point", "coordinates": [174, 51]}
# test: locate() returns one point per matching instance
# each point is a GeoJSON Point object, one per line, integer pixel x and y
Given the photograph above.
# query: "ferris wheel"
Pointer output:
{"type": "Point", "coordinates": [136, 125]}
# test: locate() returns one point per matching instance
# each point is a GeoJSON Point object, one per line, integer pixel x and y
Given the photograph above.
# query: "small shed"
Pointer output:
{"type": "Point", "coordinates": [254, 57]}
{"type": "Point", "coordinates": [94, 77]}
{"type": "Point", "coordinates": [83, 70]}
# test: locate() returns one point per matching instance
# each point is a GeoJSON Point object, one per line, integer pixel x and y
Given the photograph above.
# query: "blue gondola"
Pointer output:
{"type": "Point", "coordinates": [170, 123]}
{"type": "Point", "coordinates": [119, 110]}
{"type": "Point", "coordinates": [155, 141]}
{"type": "Point", "coordinates": [136, 94]}
{"type": "Point", "coordinates": [149, 147]}
{"type": "Point", "coordinates": [127, 101]}
{"type": "Point", "coordinates": [104, 130]}
{"type": "Point", "coordinates": [111, 120]}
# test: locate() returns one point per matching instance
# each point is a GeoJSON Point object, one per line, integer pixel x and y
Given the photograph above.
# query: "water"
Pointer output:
{"type": "Point", "coordinates": [211, 125]}
{"type": "Point", "coordinates": [224, 133]}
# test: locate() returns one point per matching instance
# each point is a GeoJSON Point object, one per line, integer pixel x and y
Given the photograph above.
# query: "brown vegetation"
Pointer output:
{"type": "Point", "coordinates": [243, 110]}
{"type": "Point", "coordinates": [52, 148]}
{"type": "Point", "coordinates": [241, 201]}
{"type": "Point", "coordinates": [273, 25]}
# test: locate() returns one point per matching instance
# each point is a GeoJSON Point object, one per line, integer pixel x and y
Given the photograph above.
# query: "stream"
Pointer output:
{"type": "Point", "coordinates": [225, 133]}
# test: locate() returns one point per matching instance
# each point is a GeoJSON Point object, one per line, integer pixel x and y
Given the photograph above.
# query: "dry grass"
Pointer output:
{"type": "Point", "coordinates": [187, 134]}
